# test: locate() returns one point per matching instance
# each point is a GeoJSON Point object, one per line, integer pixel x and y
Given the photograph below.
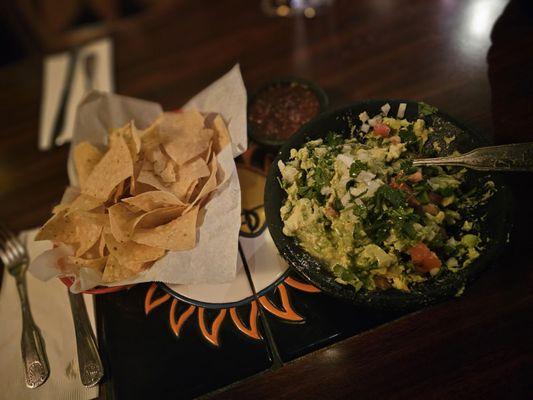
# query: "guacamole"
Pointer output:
{"type": "Point", "coordinates": [357, 204]}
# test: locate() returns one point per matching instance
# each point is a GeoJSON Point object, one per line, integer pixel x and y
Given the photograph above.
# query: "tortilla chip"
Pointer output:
{"type": "Point", "coordinates": [159, 216]}
{"type": "Point", "coordinates": [131, 137]}
{"type": "Point", "coordinates": [131, 254]}
{"type": "Point", "coordinates": [151, 200]}
{"type": "Point", "coordinates": [189, 195]}
{"type": "Point", "coordinates": [113, 271]}
{"type": "Point", "coordinates": [85, 203]}
{"type": "Point", "coordinates": [141, 188]}
{"type": "Point", "coordinates": [149, 178]}
{"type": "Point", "coordinates": [158, 160]}
{"type": "Point", "coordinates": [97, 264]}
{"type": "Point", "coordinates": [208, 185]}
{"type": "Point", "coordinates": [101, 245]}
{"type": "Point", "coordinates": [114, 167]}
{"type": "Point", "coordinates": [119, 191]}
{"type": "Point", "coordinates": [80, 203]}
{"type": "Point", "coordinates": [150, 136]}
{"type": "Point", "coordinates": [137, 167]}
{"type": "Point", "coordinates": [177, 235]}
{"type": "Point", "coordinates": [183, 135]}
{"type": "Point", "coordinates": [86, 156]}
{"type": "Point", "coordinates": [195, 169]}
{"type": "Point", "coordinates": [221, 137]}
{"type": "Point", "coordinates": [168, 175]}
{"type": "Point", "coordinates": [122, 221]}
{"type": "Point", "coordinates": [188, 176]}
{"type": "Point", "coordinates": [71, 229]}
{"type": "Point", "coordinates": [97, 218]}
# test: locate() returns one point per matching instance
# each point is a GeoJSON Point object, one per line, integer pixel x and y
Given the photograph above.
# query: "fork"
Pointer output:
{"type": "Point", "coordinates": [508, 157]}
{"type": "Point", "coordinates": [15, 258]}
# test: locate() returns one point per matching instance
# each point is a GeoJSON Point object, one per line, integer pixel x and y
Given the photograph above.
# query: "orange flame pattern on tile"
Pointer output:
{"type": "Point", "coordinates": [177, 325]}
{"type": "Point", "coordinates": [252, 332]}
{"type": "Point", "coordinates": [304, 287]}
{"type": "Point", "coordinates": [150, 303]}
{"type": "Point", "coordinates": [287, 312]}
{"type": "Point", "coordinates": [212, 337]}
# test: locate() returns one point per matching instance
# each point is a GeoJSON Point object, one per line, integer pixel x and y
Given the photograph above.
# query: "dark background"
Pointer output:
{"type": "Point", "coordinates": [471, 58]}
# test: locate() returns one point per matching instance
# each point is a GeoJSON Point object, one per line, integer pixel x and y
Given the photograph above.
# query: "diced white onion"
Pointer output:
{"type": "Point", "coordinates": [373, 186]}
{"type": "Point", "coordinates": [345, 199]}
{"type": "Point", "coordinates": [363, 155]}
{"type": "Point", "coordinates": [346, 159]}
{"type": "Point", "coordinates": [365, 128]}
{"type": "Point", "coordinates": [358, 191]}
{"type": "Point", "coordinates": [365, 176]}
{"type": "Point", "coordinates": [401, 110]}
{"type": "Point", "coordinates": [385, 108]}
{"type": "Point", "coordinates": [363, 117]}
{"type": "Point", "coordinates": [326, 190]}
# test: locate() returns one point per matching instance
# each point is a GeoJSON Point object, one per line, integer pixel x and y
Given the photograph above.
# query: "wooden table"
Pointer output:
{"type": "Point", "coordinates": [472, 58]}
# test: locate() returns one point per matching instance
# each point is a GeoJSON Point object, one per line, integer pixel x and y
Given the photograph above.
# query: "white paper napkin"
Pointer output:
{"type": "Point", "coordinates": [55, 73]}
{"type": "Point", "coordinates": [51, 311]}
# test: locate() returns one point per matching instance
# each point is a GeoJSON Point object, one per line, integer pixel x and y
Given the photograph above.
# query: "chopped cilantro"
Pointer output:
{"type": "Point", "coordinates": [337, 204]}
{"type": "Point", "coordinates": [356, 167]}
{"type": "Point", "coordinates": [425, 109]}
{"type": "Point", "coordinates": [395, 197]}
{"type": "Point", "coordinates": [334, 139]}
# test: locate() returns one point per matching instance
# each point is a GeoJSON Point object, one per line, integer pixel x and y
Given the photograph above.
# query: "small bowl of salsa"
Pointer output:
{"type": "Point", "coordinates": [279, 108]}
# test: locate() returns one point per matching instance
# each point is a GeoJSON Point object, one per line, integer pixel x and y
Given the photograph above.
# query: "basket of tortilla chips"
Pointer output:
{"type": "Point", "coordinates": [143, 198]}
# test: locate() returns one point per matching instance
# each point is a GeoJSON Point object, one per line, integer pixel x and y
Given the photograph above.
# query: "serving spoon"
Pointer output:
{"type": "Point", "coordinates": [509, 157]}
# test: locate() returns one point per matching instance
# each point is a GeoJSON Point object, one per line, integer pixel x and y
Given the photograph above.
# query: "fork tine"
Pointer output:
{"type": "Point", "coordinates": [5, 235]}
{"type": "Point", "coordinates": [11, 244]}
{"type": "Point", "coordinates": [6, 253]}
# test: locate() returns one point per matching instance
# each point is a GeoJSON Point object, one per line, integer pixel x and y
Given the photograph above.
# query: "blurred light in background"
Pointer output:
{"type": "Point", "coordinates": [290, 8]}
{"type": "Point", "coordinates": [472, 35]}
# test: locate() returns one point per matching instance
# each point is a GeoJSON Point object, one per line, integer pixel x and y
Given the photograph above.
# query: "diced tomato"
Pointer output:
{"type": "Point", "coordinates": [419, 253]}
{"type": "Point", "coordinates": [411, 200]}
{"type": "Point", "coordinates": [402, 186]}
{"type": "Point", "coordinates": [434, 197]}
{"type": "Point", "coordinates": [423, 258]}
{"type": "Point", "coordinates": [430, 209]}
{"type": "Point", "coordinates": [432, 262]}
{"type": "Point", "coordinates": [381, 130]}
{"type": "Point", "coordinates": [393, 184]}
{"type": "Point", "coordinates": [416, 177]}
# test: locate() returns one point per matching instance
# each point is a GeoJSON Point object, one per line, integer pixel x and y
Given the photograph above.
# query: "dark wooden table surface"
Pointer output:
{"type": "Point", "coordinates": [472, 58]}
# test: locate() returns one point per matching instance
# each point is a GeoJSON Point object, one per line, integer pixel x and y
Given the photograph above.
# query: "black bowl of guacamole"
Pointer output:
{"type": "Point", "coordinates": [493, 217]}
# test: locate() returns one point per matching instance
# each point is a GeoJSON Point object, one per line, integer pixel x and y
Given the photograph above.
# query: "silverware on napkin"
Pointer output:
{"type": "Point", "coordinates": [65, 93]}
{"type": "Point", "coordinates": [510, 157]}
{"type": "Point", "coordinates": [89, 362]}
{"type": "Point", "coordinates": [15, 258]}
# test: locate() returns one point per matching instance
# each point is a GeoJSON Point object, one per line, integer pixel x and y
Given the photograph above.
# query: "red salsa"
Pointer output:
{"type": "Point", "coordinates": [281, 109]}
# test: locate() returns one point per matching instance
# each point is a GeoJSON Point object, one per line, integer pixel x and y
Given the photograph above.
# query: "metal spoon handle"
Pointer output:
{"type": "Point", "coordinates": [510, 157]}
{"type": "Point", "coordinates": [36, 369]}
{"type": "Point", "coordinates": [89, 362]}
